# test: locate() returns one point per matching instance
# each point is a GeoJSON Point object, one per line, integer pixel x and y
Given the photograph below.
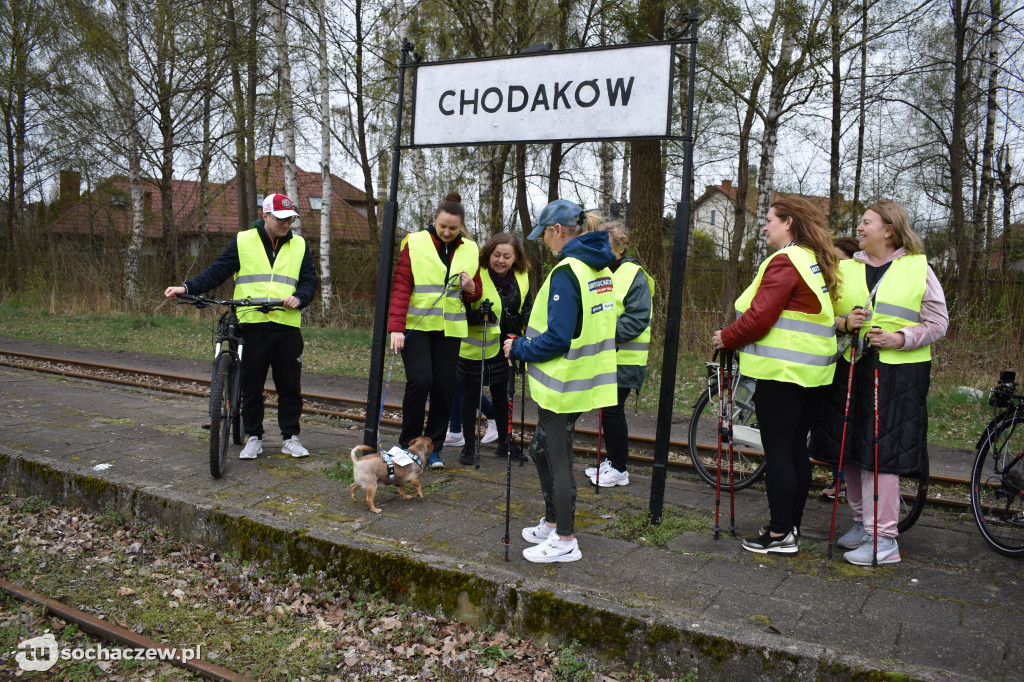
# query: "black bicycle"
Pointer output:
{"type": "Point", "coordinates": [997, 480]}
{"type": "Point", "coordinates": [226, 382]}
{"type": "Point", "coordinates": [748, 462]}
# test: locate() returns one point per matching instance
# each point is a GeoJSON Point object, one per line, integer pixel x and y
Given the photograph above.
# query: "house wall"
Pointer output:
{"type": "Point", "coordinates": [715, 217]}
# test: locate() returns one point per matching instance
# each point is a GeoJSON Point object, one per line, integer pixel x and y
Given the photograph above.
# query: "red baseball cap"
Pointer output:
{"type": "Point", "coordinates": [280, 205]}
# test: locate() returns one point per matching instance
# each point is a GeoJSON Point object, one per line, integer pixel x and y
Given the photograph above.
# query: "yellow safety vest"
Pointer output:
{"type": "Point", "coordinates": [632, 352]}
{"type": "Point", "coordinates": [584, 377]}
{"type": "Point", "coordinates": [897, 302]}
{"type": "Point", "coordinates": [800, 348]}
{"type": "Point", "coordinates": [259, 282]}
{"type": "Point", "coordinates": [426, 311]}
{"type": "Point", "coordinates": [472, 345]}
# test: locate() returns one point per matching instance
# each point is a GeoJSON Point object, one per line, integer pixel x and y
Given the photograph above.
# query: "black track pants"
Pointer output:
{"type": "Point", "coordinates": [616, 430]}
{"type": "Point", "coordinates": [276, 346]}
{"type": "Point", "coordinates": [430, 359]}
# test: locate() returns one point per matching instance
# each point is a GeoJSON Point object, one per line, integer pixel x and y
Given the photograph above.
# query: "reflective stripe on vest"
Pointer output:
{"type": "Point", "coordinates": [426, 312]}
{"type": "Point", "coordinates": [472, 344]}
{"type": "Point", "coordinates": [259, 282]}
{"type": "Point", "coordinates": [799, 348]}
{"type": "Point", "coordinates": [633, 352]}
{"type": "Point", "coordinates": [897, 302]}
{"type": "Point", "coordinates": [584, 377]}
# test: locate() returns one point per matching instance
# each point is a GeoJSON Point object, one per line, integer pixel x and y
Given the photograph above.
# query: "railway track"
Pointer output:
{"type": "Point", "coordinates": [355, 409]}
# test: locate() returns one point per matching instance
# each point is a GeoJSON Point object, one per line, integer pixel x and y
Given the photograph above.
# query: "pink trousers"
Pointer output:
{"type": "Point", "coordinates": [860, 493]}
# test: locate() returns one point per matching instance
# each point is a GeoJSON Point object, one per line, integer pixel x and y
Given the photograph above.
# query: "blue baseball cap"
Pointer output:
{"type": "Point", "coordinates": [558, 212]}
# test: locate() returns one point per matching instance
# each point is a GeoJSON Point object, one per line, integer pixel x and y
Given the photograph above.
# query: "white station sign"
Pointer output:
{"type": "Point", "coordinates": [604, 93]}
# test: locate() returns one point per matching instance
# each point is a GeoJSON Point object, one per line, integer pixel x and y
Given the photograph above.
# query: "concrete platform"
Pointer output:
{"type": "Point", "coordinates": [953, 609]}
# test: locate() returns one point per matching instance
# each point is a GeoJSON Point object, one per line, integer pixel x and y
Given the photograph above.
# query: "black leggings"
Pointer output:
{"type": "Point", "coordinates": [429, 359]}
{"type": "Point", "coordinates": [785, 413]}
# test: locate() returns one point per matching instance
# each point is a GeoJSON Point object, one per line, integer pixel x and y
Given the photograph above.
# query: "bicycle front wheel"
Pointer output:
{"type": "Point", "coordinates": [997, 487]}
{"type": "Point", "coordinates": [220, 410]}
{"type": "Point", "coordinates": [913, 493]}
{"type": "Point", "coordinates": [748, 454]}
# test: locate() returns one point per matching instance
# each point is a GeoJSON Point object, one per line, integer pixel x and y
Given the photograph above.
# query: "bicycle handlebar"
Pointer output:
{"type": "Point", "coordinates": [201, 302]}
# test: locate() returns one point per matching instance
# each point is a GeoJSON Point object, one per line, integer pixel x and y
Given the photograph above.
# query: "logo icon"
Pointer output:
{"type": "Point", "coordinates": [38, 653]}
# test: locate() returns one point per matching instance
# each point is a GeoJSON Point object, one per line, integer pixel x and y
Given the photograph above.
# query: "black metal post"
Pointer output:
{"type": "Point", "coordinates": [666, 398]}
{"type": "Point", "coordinates": [389, 226]}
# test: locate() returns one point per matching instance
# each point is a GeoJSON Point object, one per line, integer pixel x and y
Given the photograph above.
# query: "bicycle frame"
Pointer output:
{"type": "Point", "coordinates": [743, 394]}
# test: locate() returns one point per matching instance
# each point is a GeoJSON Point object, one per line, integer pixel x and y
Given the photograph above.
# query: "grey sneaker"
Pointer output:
{"type": "Point", "coordinates": [766, 544]}
{"type": "Point", "coordinates": [888, 552]}
{"type": "Point", "coordinates": [253, 447]}
{"type": "Point", "coordinates": [553, 550]}
{"type": "Point", "coordinates": [539, 533]}
{"type": "Point", "coordinates": [854, 537]}
{"type": "Point", "coordinates": [293, 447]}
{"type": "Point", "coordinates": [454, 439]}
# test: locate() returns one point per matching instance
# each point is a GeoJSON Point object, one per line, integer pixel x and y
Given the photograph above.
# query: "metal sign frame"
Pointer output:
{"type": "Point", "coordinates": [680, 244]}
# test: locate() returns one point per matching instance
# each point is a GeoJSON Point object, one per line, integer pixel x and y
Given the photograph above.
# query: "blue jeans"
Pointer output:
{"type": "Point", "coordinates": [455, 419]}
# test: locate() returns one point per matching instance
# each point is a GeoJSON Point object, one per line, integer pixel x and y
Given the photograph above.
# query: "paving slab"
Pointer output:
{"type": "Point", "coordinates": [952, 609]}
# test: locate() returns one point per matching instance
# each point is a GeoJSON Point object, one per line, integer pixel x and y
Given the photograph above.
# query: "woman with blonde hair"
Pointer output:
{"type": "Point", "coordinates": [634, 291]}
{"type": "Point", "coordinates": [893, 302]}
{"type": "Point", "coordinates": [786, 340]}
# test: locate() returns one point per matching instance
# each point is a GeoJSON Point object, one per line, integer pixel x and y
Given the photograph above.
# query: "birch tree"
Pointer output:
{"type": "Point", "coordinates": [279, 13]}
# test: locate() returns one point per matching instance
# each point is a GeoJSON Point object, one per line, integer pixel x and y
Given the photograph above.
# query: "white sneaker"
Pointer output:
{"type": "Point", "coordinates": [611, 478]}
{"type": "Point", "coordinates": [454, 439]}
{"type": "Point", "coordinates": [592, 471]}
{"type": "Point", "coordinates": [553, 550]}
{"type": "Point", "coordinates": [539, 533]}
{"type": "Point", "coordinates": [253, 447]}
{"type": "Point", "coordinates": [491, 434]}
{"type": "Point", "coordinates": [293, 447]}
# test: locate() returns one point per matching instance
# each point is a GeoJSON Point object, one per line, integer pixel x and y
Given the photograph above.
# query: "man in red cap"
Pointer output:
{"type": "Point", "coordinates": [268, 262]}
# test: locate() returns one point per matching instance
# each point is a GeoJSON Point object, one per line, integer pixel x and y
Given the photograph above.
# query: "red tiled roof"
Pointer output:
{"type": "Point", "coordinates": [729, 190]}
{"type": "Point", "coordinates": [98, 212]}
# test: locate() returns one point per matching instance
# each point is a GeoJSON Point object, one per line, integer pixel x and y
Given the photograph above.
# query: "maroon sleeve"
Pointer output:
{"type": "Point", "coordinates": [781, 288]}
{"type": "Point", "coordinates": [401, 292]}
{"type": "Point", "coordinates": [477, 293]}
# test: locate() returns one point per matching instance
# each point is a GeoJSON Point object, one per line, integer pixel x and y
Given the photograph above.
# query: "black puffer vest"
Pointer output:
{"type": "Point", "coordinates": [902, 417]}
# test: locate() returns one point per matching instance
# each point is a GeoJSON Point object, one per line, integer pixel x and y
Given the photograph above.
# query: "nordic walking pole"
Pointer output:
{"type": "Point", "coordinates": [718, 469]}
{"type": "Point", "coordinates": [508, 464]}
{"type": "Point", "coordinates": [874, 538]}
{"type": "Point", "coordinates": [842, 442]}
{"type": "Point", "coordinates": [485, 311]}
{"type": "Point", "coordinates": [597, 474]}
{"type": "Point", "coordinates": [842, 446]}
{"type": "Point", "coordinates": [522, 416]}
{"type": "Point", "coordinates": [728, 357]}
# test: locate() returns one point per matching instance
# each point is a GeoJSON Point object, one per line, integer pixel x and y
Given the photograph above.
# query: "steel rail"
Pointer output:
{"type": "Point", "coordinates": [355, 416]}
{"type": "Point", "coordinates": [116, 633]}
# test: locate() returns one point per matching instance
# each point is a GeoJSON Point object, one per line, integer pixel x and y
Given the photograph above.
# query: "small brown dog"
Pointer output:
{"type": "Point", "coordinates": [371, 470]}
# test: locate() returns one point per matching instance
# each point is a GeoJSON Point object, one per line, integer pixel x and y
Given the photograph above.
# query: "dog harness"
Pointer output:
{"type": "Point", "coordinates": [396, 456]}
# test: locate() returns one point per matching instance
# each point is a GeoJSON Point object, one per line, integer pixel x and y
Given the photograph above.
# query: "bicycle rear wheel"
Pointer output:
{"type": "Point", "coordinates": [997, 487]}
{"type": "Point", "coordinates": [220, 409]}
{"type": "Point", "coordinates": [748, 454]}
